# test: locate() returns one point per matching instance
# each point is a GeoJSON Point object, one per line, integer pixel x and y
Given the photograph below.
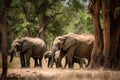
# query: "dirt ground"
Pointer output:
{"type": "Point", "coordinates": [44, 73]}
{"type": "Point", "coordinates": [61, 74]}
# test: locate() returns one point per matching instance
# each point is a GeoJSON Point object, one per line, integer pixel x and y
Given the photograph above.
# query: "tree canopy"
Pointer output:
{"type": "Point", "coordinates": [25, 18]}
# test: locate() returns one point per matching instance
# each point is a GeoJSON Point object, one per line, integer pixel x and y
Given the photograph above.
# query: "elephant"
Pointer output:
{"type": "Point", "coordinates": [48, 54]}
{"type": "Point", "coordinates": [80, 61]}
{"type": "Point", "coordinates": [28, 47]}
{"type": "Point", "coordinates": [58, 58]}
{"type": "Point", "coordinates": [73, 45]}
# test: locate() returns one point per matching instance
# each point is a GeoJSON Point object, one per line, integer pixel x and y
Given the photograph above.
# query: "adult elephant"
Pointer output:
{"type": "Point", "coordinates": [74, 45]}
{"type": "Point", "coordinates": [28, 47]}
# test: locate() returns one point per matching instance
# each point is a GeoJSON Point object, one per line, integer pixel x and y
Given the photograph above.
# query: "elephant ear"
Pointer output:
{"type": "Point", "coordinates": [69, 42]}
{"type": "Point", "coordinates": [26, 45]}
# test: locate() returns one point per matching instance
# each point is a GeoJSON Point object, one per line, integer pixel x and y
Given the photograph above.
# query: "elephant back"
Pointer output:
{"type": "Point", "coordinates": [39, 46]}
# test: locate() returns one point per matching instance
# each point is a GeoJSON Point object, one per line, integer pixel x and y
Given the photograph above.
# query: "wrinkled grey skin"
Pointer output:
{"type": "Point", "coordinates": [73, 45]}
{"type": "Point", "coordinates": [28, 47]}
{"type": "Point", "coordinates": [48, 54]}
{"type": "Point", "coordinates": [80, 61]}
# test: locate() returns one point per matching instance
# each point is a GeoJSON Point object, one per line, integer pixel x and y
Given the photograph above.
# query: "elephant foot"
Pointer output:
{"type": "Point", "coordinates": [37, 66]}
{"type": "Point", "coordinates": [25, 66]}
{"type": "Point", "coordinates": [70, 67]}
{"type": "Point", "coordinates": [50, 66]}
{"type": "Point", "coordinates": [22, 66]}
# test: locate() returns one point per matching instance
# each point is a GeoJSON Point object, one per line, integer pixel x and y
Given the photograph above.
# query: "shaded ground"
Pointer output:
{"type": "Point", "coordinates": [61, 74]}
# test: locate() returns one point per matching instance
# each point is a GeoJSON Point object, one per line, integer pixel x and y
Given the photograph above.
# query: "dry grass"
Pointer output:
{"type": "Point", "coordinates": [16, 73]}
{"type": "Point", "coordinates": [61, 74]}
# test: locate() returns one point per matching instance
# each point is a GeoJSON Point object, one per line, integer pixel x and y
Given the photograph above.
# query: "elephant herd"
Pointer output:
{"type": "Point", "coordinates": [73, 47]}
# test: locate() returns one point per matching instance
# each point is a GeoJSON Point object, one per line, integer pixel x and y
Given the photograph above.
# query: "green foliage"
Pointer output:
{"type": "Point", "coordinates": [74, 18]}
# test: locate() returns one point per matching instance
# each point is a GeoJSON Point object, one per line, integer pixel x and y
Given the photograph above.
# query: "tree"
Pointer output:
{"type": "Point", "coordinates": [45, 18]}
{"type": "Point", "coordinates": [107, 40]}
{"type": "Point", "coordinates": [27, 16]}
{"type": "Point", "coordinates": [3, 29]}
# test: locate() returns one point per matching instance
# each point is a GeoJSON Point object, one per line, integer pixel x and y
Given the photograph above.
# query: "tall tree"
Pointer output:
{"type": "Point", "coordinates": [27, 17]}
{"type": "Point", "coordinates": [107, 40]}
{"type": "Point", "coordinates": [3, 29]}
{"type": "Point", "coordinates": [45, 18]}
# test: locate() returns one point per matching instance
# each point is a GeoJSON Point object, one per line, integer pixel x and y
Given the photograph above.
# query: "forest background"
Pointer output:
{"type": "Point", "coordinates": [52, 17]}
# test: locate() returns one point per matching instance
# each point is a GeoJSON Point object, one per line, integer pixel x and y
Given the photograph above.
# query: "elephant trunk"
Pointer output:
{"type": "Point", "coordinates": [53, 56]}
{"type": "Point", "coordinates": [12, 54]}
{"type": "Point", "coordinates": [58, 63]}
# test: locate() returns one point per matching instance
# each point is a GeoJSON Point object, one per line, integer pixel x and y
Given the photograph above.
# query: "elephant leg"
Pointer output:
{"type": "Point", "coordinates": [48, 65]}
{"type": "Point", "coordinates": [66, 62]}
{"type": "Point", "coordinates": [28, 56]}
{"type": "Point", "coordinates": [27, 60]}
{"type": "Point", "coordinates": [40, 62]}
{"type": "Point", "coordinates": [88, 63]}
{"type": "Point", "coordinates": [79, 61]}
{"type": "Point", "coordinates": [36, 62]}
{"type": "Point", "coordinates": [22, 60]}
{"type": "Point", "coordinates": [70, 54]}
{"type": "Point", "coordinates": [80, 65]}
{"type": "Point", "coordinates": [69, 61]}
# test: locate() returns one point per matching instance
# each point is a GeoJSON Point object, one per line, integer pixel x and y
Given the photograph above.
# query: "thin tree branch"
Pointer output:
{"type": "Point", "coordinates": [55, 15]}
{"type": "Point", "coordinates": [55, 1]}
{"type": "Point", "coordinates": [24, 10]}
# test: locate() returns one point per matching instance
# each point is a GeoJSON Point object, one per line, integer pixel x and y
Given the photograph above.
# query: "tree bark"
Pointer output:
{"type": "Point", "coordinates": [46, 18]}
{"type": "Point", "coordinates": [107, 43]}
{"type": "Point", "coordinates": [115, 35]}
{"type": "Point", "coordinates": [106, 32]}
{"type": "Point", "coordinates": [4, 37]}
{"type": "Point", "coordinates": [98, 44]}
{"type": "Point", "coordinates": [41, 33]}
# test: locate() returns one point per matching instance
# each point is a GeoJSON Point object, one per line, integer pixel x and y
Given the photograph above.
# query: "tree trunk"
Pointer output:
{"type": "Point", "coordinates": [106, 32]}
{"type": "Point", "coordinates": [43, 26]}
{"type": "Point", "coordinates": [107, 45]}
{"type": "Point", "coordinates": [44, 21]}
{"type": "Point", "coordinates": [115, 35]}
{"type": "Point", "coordinates": [4, 37]}
{"type": "Point", "coordinates": [46, 18]}
{"type": "Point", "coordinates": [29, 32]}
{"type": "Point", "coordinates": [98, 44]}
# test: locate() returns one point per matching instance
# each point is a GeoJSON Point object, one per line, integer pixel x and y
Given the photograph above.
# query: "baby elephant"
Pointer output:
{"type": "Point", "coordinates": [80, 61]}
{"type": "Point", "coordinates": [48, 55]}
